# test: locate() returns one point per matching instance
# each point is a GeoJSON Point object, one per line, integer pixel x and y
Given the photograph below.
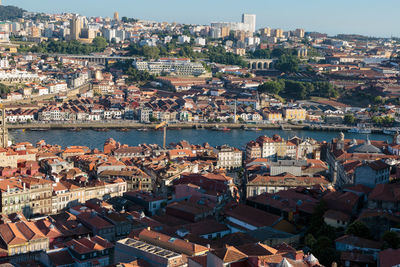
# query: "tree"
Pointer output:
{"type": "Point", "coordinates": [310, 241]}
{"type": "Point", "coordinates": [298, 90]}
{"type": "Point", "coordinates": [69, 47]}
{"type": "Point", "coordinates": [218, 54]}
{"type": "Point", "coordinates": [359, 229]}
{"type": "Point", "coordinates": [287, 63]}
{"type": "Point", "coordinates": [99, 43]}
{"type": "Point", "coordinates": [272, 87]}
{"type": "Point", "coordinates": [325, 89]}
{"type": "Point", "coordinates": [391, 239]}
{"type": "Point", "coordinates": [383, 121]}
{"type": "Point", "coordinates": [4, 89]}
{"type": "Point", "coordinates": [230, 120]}
{"type": "Point", "coordinates": [135, 75]}
{"type": "Point", "coordinates": [379, 100]}
{"type": "Point", "coordinates": [128, 20]}
{"type": "Point", "coordinates": [349, 119]}
{"type": "Point", "coordinates": [150, 52]}
{"type": "Point", "coordinates": [10, 13]}
{"type": "Point", "coordinates": [317, 218]}
{"type": "Point", "coordinates": [260, 53]}
{"type": "Point", "coordinates": [153, 119]}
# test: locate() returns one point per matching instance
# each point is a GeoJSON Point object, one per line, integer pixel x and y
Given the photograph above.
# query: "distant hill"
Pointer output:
{"type": "Point", "coordinates": [10, 12]}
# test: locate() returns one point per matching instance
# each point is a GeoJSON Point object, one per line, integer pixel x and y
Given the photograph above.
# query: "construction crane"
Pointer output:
{"type": "Point", "coordinates": [164, 125]}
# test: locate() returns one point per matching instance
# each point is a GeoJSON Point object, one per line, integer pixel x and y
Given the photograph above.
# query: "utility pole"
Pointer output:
{"type": "Point", "coordinates": [235, 113]}
{"type": "Point", "coordinates": [165, 136]}
{"type": "Point", "coordinates": [4, 132]}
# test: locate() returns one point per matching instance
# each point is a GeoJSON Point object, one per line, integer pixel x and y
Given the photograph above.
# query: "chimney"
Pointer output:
{"type": "Point", "coordinates": [8, 188]}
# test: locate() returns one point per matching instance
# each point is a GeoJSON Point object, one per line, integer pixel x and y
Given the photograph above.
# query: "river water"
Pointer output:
{"type": "Point", "coordinates": [237, 137]}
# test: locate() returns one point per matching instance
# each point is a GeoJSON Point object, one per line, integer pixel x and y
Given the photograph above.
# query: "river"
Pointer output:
{"type": "Point", "coordinates": [237, 137]}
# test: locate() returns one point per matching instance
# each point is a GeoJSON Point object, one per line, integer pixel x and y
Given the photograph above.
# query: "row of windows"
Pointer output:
{"type": "Point", "coordinates": [31, 247]}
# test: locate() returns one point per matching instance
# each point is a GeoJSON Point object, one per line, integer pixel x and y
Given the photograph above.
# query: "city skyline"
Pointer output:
{"type": "Point", "coordinates": [358, 17]}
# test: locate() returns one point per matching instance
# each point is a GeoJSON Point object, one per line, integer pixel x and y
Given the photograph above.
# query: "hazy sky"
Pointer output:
{"type": "Point", "coordinates": [368, 17]}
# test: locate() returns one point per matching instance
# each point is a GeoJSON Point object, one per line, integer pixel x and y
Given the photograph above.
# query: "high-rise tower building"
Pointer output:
{"type": "Point", "coordinates": [76, 27]}
{"type": "Point", "coordinates": [116, 16]}
{"type": "Point", "coordinates": [250, 19]}
{"type": "Point", "coordinates": [299, 33]}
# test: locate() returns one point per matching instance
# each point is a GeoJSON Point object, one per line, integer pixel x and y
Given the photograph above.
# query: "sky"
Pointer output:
{"type": "Point", "coordinates": [378, 18]}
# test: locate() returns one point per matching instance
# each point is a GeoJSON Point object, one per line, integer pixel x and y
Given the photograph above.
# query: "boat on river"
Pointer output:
{"type": "Point", "coordinates": [217, 128]}
{"type": "Point", "coordinates": [39, 129]}
{"type": "Point", "coordinates": [143, 129]}
{"type": "Point", "coordinates": [123, 130]}
{"type": "Point", "coordinates": [252, 129]}
{"type": "Point", "coordinates": [391, 131]}
{"type": "Point", "coordinates": [360, 130]}
{"type": "Point", "coordinates": [75, 129]}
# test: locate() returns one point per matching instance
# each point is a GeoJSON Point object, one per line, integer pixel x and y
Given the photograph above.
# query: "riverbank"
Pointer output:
{"type": "Point", "coordinates": [188, 125]}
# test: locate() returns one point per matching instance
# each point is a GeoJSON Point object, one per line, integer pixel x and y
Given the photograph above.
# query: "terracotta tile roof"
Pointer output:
{"type": "Point", "coordinates": [389, 257]}
{"type": "Point", "coordinates": [252, 216]}
{"type": "Point", "coordinates": [93, 220]}
{"type": "Point", "coordinates": [359, 242]}
{"type": "Point", "coordinates": [20, 232]}
{"type": "Point", "coordinates": [89, 244]}
{"type": "Point", "coordinates": [257, 249]}
{"type": "Point", "coordinates": [337, 215]}
{"type": "Point", "coordinates": [385, 192]}
{"type": "Point", "coordinates": [229, 254]}
{"type": "Point", "coordinates": [169, 242]}
{"type": "Point", "coordinates": [61, 258]}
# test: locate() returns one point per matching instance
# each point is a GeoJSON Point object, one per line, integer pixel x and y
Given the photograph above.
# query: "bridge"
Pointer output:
{"type": "Point", "coordinates": [260, 64]}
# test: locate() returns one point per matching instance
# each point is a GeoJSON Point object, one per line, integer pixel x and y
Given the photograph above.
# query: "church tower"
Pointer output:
{"type": "Point", "coordinates": [340, 141]}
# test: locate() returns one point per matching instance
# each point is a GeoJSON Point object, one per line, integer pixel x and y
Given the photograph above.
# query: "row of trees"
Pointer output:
{"type": "Point", "coordinates": [298, 90]}
{"type": "Point", "coordinates": [99, 44]}
{"type": "Point", "coordinates": [377, 120]}
{"type": "Point", "coordinates": [383, 121]}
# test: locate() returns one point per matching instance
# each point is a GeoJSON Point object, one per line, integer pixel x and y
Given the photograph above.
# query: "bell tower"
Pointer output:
{"type": "Point", "coordinates": [340, 141]}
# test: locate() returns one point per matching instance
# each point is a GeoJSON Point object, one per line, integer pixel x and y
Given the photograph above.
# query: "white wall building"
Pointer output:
{"type": "Point", "coordinates": [250, 20]}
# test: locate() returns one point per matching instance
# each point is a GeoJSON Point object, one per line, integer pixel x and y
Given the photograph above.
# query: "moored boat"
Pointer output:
{"type": "Point", "coordinates": [123, 130]}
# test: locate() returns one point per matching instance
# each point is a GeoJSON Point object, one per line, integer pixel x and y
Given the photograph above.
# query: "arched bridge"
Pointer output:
{"type": "Point", "coordinates": [260, 64]}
